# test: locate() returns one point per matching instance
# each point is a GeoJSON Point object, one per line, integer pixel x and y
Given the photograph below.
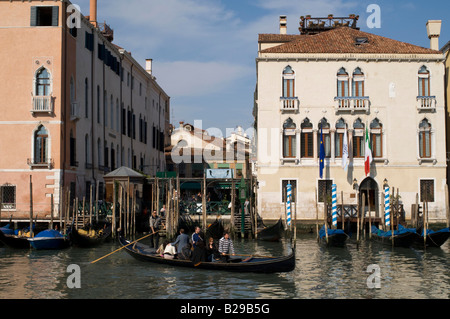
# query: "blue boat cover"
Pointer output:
{"type": "Point", "coordinates": [443, 230]}
{"type": "Point", "coordinates": [50, 233]}
{"type": "Point", "coordinates": [7, 230]}
{"type": "Point", "coordinates": [401, 230]}
{"type": "Point", "coordinates": [330, 231]}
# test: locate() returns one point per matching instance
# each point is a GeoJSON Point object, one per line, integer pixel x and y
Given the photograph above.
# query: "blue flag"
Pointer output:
{"type": "Point", "coordinates": [322, 154]}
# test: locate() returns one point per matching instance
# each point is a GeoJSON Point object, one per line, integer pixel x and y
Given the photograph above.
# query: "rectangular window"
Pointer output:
{"type": "Point", "coordinates": [427, 190]}
{"type": "Point", "coordinates": [425, 144]}
{"type": "Point", "coordinates": [326, 144]}
{"type": "Point", "coordinates": [342, 88]}
{"type": "Point", "coordinates": [358, 146]}
{"type": "Point", "coordinates": [338, 144]}
{"type": "Point", "coordinates": [284, 184]}
{"type": "Point", "coordinates": [44, 16]}
{"type": "Point", "coordinates": [8, 199]}
{"type": "Point", "coordinates": [289, 146]}
{"type": "Point", "coordinates": [424, 87]}
{"type": "Point", "coordinates": [89, 41]}
{"type": "Point", "coordinates": [307, 147]}
{"type": "Point", "coordinates": [324, 190]}
{"type": "Point", "coordinates": [377, 145]}
{"type": "Point", "coordinates": [288, 88]}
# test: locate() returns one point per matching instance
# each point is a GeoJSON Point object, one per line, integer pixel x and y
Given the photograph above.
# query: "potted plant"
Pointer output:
{"type": "Point", "coordinates": [330, 16]}
{"type": "Point", "coordinates": [352, 16]}
{"type": "Point", "coordinates": [308, 17]}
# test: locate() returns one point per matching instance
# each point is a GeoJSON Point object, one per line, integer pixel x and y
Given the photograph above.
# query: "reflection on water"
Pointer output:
{"type": "Point", "coordinates": [321, 272]}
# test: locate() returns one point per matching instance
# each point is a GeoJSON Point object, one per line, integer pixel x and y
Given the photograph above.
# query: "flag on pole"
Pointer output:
{"type": "Point", "coordinates": [387, 207]}
{"type": "Point", "coordinates": [345, 151]}
{"type": "Point", "coordinates": [288, 203]}
{"type": "Point", "coordinates": [333, 205]}
{"type": "Point", "coordinates": [321, 155]}
{"type": "Point", "coordinates": [367, 153]}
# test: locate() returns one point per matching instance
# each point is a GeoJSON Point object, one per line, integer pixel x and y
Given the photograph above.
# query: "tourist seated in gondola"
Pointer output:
{"type": "Point", "coordinates": [170, 252]}
{"type": "Point", "coordinates": [225, 247]}
{"type": "Point", "coordinates": [181, 242]}
{"type": "Point", "coordinates": [212, 251]}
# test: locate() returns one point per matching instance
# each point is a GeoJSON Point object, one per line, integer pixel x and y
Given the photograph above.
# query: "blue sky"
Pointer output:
{"type": "Point", "coordinates": [204, 51]}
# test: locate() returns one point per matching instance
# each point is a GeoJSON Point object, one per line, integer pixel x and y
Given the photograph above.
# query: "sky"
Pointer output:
{"type": "Point", "coordinates": [204, 51]}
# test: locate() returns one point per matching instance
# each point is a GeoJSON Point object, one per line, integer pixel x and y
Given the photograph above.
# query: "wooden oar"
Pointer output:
{"type": "Point", "coordinates": [124, 246]}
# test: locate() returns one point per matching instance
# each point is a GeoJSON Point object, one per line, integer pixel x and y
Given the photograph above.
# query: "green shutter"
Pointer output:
{"type": "Point", "coordinates": [33, 18]}
{"type": "Point", "coordinates": [55, 15]}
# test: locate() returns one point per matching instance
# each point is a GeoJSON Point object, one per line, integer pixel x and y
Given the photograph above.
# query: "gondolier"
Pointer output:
{"type": "Point", "coordinates": [225, 247]}
{"type": "Point", "coordinates": [155, 224]}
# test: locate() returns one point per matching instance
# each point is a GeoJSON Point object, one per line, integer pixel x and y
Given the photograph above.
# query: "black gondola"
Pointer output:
{"type": "Point", "coordinates": [14, 241]}
{"type": "Point", "coordinates": [215, 230]}
{"type": "Point", "coordinates": [333, 237]}
{"type": "Point", "coordinates": [433, 238]}
{"type": "Point", "coordinates": [402, 237]}
{"type": "Point", "coordinates": [249, 264]}
{"type": "Point", "coordinates": [271, 233]}
{"type": "Point", "coordinates": [90, 237]}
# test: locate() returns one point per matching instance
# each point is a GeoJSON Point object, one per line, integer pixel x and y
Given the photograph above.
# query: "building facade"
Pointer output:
{"type": "Point", "coordinates": [75, 107]}
{"type": "Point", "coordinates": [334, 80]}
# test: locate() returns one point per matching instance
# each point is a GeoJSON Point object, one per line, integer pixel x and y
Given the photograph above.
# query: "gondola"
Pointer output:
{"type": "Point", "coordinates": [271, 233]}
{"type": "Point", "coordinates": [403, 237]}
{"type": "Point", "coordinates": [333, 237]}
{"type": "Point", "coordinates": [49, 239]}
{"type": "Point", "coordinates": [433, 238]}
{"type": "Point", "coordinates": [215, 230]}
{"type": "Point", "coordinates": [249, 264]}
{"type": "Point", "coordinates": [90, 237]}
{"type": "Point", "coordinates": [14, 241]}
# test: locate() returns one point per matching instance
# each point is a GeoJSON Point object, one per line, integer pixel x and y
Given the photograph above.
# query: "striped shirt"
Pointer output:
{"type": "Point", "coordinates": [226, 246]}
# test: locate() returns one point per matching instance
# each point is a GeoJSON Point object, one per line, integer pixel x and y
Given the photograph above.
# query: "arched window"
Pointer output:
{"type": "Point", "coordinates": [341, 126]}
{"type": "Point", "coordinates": [289, 139]}
{"type": "Point", "coordinates": [424, 81]}
{"type": "Point", "coordinates": [288, 82]}
{"type": "Point", "coordinates": [325, 126]}
{"type": "Point", "coordinates": [43, 83]}
{"type": "Point", "coordinates": [358, 139]}
{"type": "Point", "coordinates": [342, 83]}
{"type": "Point", "coordinates": [425, 139]}
{"type": "Point", "coordinates": [41, 145]}
{"type": "Point", "coordinates": [307, 144]}
{"type": "Point", "coordinates": [376, 138]}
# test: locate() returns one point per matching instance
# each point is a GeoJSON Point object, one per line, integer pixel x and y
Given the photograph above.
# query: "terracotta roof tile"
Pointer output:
{"type": "Point", "coordinates": [342, 40]}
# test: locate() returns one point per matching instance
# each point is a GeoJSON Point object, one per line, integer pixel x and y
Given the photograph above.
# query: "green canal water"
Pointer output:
{"type": "Point", "coordinates": [344, 273]}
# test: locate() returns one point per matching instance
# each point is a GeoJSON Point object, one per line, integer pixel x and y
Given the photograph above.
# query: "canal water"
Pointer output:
{"type": "Point", "coordinates": [321, 272]}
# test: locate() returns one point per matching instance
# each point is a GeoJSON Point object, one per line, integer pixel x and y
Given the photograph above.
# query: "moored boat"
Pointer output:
{"type": "Point", "coordinates": [333, 237]}
{"type": "Point", "coordinates": [90, 237]}
{"type": "Point", "coordinates": [403, 237]}
{"type": "Point", "coordinates": [434, 238]}
{"type": "Point", "coordinates": [271, 233]}
{"type": "Point", "coordinates": [49, 239]}
{"type": "Point", "coordinates": [258, 264]}
{"type": "Point", "coordinates": [14, 241]}
{"type": "Point", "coordinates": [215, 230]}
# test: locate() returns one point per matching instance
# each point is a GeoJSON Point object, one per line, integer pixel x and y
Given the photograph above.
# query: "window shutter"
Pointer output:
{"type": "Point", "coordinates": [55, 15]}
{"type": "Point", "coordinates": [33, 18]}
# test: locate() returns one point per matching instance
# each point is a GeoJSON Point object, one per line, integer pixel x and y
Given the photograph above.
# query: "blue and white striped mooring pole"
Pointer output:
{"type": "Point", "coordinates": [288, 203]}
{"type": "Point", "coordinates": [387, 207]}
{"type": "Point", "coordinates": [333, 205]}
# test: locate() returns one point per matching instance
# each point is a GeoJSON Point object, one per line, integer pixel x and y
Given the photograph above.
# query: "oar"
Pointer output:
{"type": "Point", "coordinates": [124, 247]}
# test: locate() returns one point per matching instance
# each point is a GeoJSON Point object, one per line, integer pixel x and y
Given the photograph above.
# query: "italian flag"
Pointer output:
{"type": "Point", "coordinates": [367, 153]}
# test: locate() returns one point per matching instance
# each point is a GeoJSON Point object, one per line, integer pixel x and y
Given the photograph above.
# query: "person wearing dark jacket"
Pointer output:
{"type": "Point", "coordinates": [155, 224]}
{"type": "Point", "coordinates": [212, 250]}
{"type": "Point", "coordinates": [181, 242]}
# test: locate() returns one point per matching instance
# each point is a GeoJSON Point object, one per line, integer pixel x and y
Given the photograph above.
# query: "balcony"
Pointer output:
{"type": "Point", "coordinates": [289, 104]}
{"type": "Point", "coordinates": [74, 112]}
{"type": "Point", "coordinates": [42, 104]}
{"type": "Point", "coordinates": [426, 103]}
{"type": "Point", "coordinates": [352, 104]}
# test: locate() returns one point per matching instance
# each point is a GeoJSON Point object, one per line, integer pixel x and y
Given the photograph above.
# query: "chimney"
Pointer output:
{"type": "Point", "coordinates": [283, 25]}
{"type": "Point", "coordinates": [434, 31]}
{"type": "Point", "coordinates": [148, 65]}
{"type": "Point", "coordinates": [93, 13]}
